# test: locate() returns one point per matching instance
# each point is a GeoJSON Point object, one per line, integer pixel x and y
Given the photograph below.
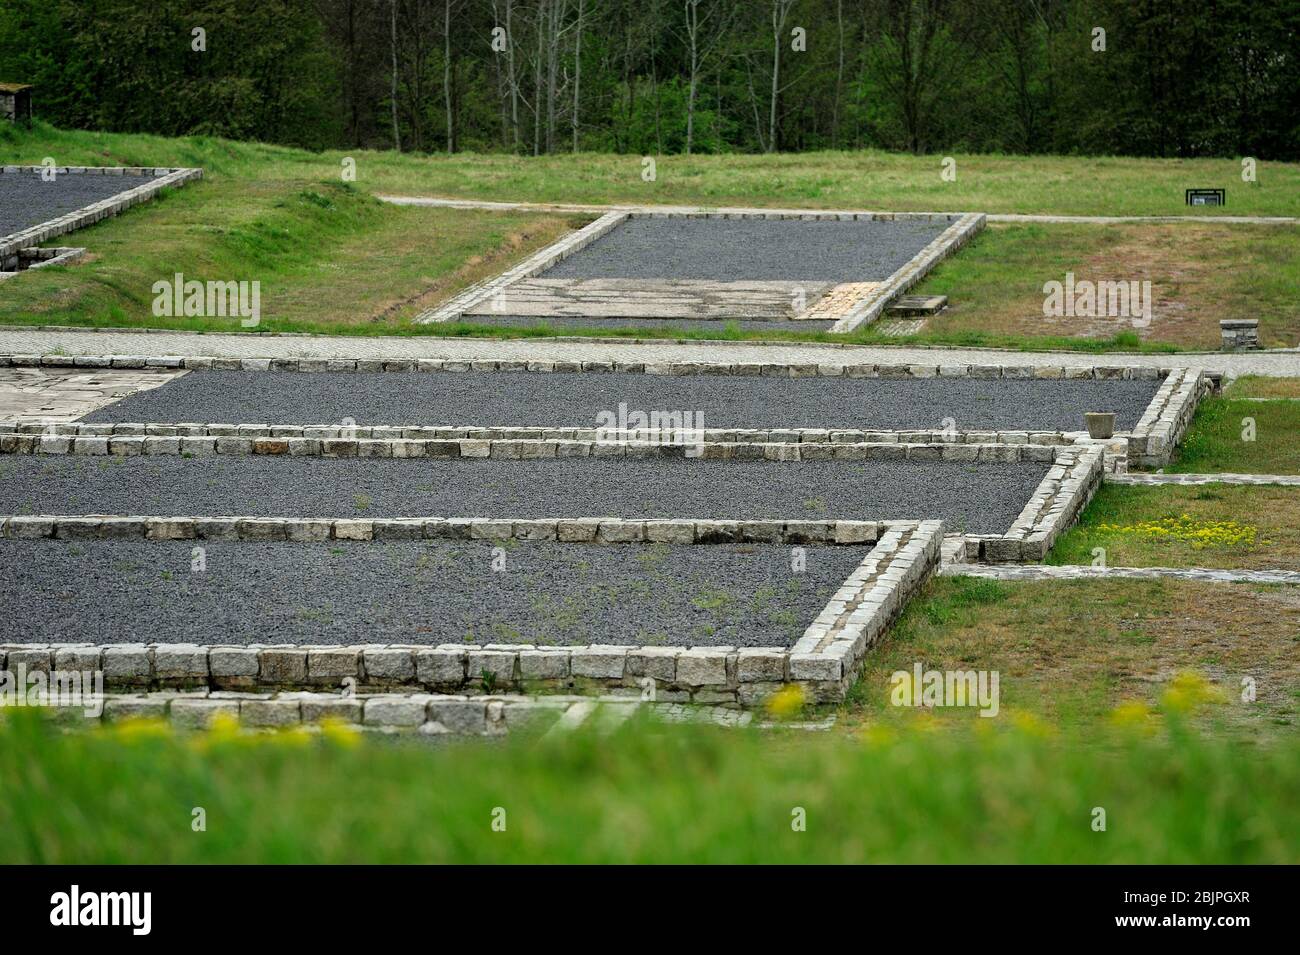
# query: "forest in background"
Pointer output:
{"type": "Point", "coordinates": [1176, 78]}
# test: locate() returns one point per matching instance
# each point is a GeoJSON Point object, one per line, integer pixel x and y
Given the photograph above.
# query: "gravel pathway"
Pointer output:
{"type": "Point", "coordinates": [44, 341]}
{"type": "Point", "coordinates": [577, 400]}
{"type": "Point", "coordinates": [733, 250]}
{"type": "Point", "coordinates": [415, 592]}
{"type": "Point", "coordinates": [27, 200]}
{"type": "Point", "coordinates": [983, 498]}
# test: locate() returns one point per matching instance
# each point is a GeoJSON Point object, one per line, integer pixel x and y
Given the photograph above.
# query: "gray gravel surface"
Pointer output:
{"type": "Point", "coordinates": [983, 498]}
{"type": "Point", "coordinates": [414, 592]}
{"type": "Point", "coordinates": [27, 200]}
{"type": "Point", "coordinates": [733, 250]}
{"type": "Point", "coordinates": [559, 399]}
{"type": "Point", "coordinates": [646, 324]}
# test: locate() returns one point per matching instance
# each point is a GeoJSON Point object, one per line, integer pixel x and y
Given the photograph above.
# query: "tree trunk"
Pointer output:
{"type": "Point", "coordinates": [447, 76]}
{"type": "Point", "coordinates": [397, 136]}
{"type": "Point", "coordinates": [577, 73]}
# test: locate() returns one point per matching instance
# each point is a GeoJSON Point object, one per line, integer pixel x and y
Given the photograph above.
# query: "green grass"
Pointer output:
{"type": "Point", "coordinates": [1243, 437]}
{"type": "Point", "coordinates": [1072, 653]}
{"type": "Point", "coordinates": [1257, 386]}
{"type": "Point", "coordinates": [1199, 274]}
{"type": "Point", "coordinates": [1015, 793]}
{"type": "Point", "coordinates": [869, 179]}
{"type": "Point", "coordinates": [1213, 525]}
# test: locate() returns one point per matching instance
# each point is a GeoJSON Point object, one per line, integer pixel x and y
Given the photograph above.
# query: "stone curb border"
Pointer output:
{"type": "Point", "coordinates": [1194, 480]}
{"type": "Point", "coordinates": [866, 603]}
{"type": "Point", "coordinates": [455, 307]}
{"type": "Point", "coordinates": [1163, 424]}
{"type": "Point", "coordinates": [166, 177]}
{"type": "Point", "coordinates": [425, 714]}
{"type": "Point", "coordinates": [63, 255]}
{"type": "Point", "coordinates": [773, 369]}
{"type": "Point", "coordinates": [586, 530]}
{"type": "Point", "coordinates": [1055, 505]}
{"type": "Point", "coordinates": [678, 445]}
{"type": "Point", "coordinates": [1088, 572]}
{"type": "Point", "coordinates": [945, 244]}
{"type": "Point", "coordinates": [336, 432]}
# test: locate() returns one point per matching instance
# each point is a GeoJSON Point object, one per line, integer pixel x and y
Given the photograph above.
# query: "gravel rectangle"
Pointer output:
{"type": "Point", "coordinates": [734, 250]}
{"type": "Point", "coordinates": [972, 498]}
{"type": "Point", "coordinates": [562, 399]}
{"type": "Point", "coordinates": [428, 592]}
{"type": "Point", "coordinates": [27, 200]}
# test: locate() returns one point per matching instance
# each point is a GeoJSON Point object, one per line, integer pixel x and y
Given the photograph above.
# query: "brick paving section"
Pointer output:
{"type": "Point", "coordinates": [47, 341]}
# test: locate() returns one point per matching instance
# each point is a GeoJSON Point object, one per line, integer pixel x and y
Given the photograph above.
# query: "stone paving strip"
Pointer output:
{"type": "Point", "coordinates": [52, 345]}
{"type": "Point", "coordinates": [420, 592]}
{"type": "Point", "coordinates": [53, 395]}
{"type": "Point", "coordinates": [34, 211]}
{"type": "Point", "coordinates": [505, 206]}
{"type": "Point", "coordinates": [824, 661]}
{"type": "Point", "coordinates": [980, 496]}
{"type": "Point", "coordinates": [1152, 441]}
{"type": "Point", "coordinates": [1033, 409]}
{"type": "Point", "coordinates": [1196, 479]}
{"type": "Point", "coordinates": [562, 299]}
{"type": "Point", "coordinates": [1088, 572]}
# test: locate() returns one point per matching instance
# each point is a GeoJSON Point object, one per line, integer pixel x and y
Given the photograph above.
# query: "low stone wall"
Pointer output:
{"type": "Point", "coordinates": [1162, 426]}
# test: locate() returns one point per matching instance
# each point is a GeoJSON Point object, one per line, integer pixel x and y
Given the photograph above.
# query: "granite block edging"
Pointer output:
{"type": "Point", "coordinates": [1162, 426]}
{"type": "Point", "coordinates": [165, 177]}
{"type": "Point", "coordinates": [823, 663]}
{"type": "Point", "coordinates": [565, 530]}
{"type": "Point", "coordinates": [334, 432]}
{"type": "Point", "coordinates": [247, 440]}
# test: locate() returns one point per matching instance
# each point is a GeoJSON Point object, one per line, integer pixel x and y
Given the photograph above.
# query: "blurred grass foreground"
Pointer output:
{"type": "Point", "coordinates": [1022, 791]}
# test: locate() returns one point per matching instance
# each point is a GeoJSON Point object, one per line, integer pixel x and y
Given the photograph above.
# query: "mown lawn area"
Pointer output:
{"type": "Point", "coordinates": [1017, 792]}
{"type": "Point", "coordinates": [1241, 436]}
{"type": "Point", "coordinates": [332, 259]}
{"type": "Point", "coordinates": [1084, 653]}
{"type": "Point", "coordinates": [1213, 525]}
{"type": "Point", "coordinates": [1199, 274]}
{"type": "Point", "coordinates": [1063, 185]}
{"type": "Point", "coordinates": [1258, 386]}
